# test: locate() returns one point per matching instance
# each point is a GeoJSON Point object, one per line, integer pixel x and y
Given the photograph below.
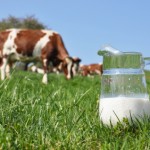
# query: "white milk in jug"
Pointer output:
{"type": "Point", "coordinates": [117, 108]}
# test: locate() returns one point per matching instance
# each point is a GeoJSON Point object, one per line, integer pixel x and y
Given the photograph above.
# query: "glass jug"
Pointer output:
{"type": "Point", "coordinates": [123, 86]}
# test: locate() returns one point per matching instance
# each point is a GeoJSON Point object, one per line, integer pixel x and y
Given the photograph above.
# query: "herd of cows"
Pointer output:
{"type": "Point", "coordinates": [23, 48]}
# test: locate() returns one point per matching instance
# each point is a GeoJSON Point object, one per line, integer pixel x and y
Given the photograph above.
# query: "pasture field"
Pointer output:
{"type": "Point", "coordinates": [62, 115]}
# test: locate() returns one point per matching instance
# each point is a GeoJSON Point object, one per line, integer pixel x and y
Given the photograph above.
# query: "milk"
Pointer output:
{"type": "Point", "coordinates": [122, 107]}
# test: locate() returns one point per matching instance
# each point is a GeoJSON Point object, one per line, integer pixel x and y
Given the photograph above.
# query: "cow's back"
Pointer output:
{"type": "Point", "coordinates": [26, 40]}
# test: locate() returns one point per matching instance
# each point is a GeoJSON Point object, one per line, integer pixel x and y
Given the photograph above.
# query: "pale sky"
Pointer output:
{"type": "Point", "coordinates": [87, 25]}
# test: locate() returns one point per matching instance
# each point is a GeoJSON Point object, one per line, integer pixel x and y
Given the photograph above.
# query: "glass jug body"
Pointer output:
{"type": "Point", "coordinates": [123, 87]}
{"type": "Point", "coordinates": [123, 76]}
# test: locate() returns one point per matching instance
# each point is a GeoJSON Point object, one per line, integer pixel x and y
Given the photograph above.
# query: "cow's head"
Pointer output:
{"type": "Point", "coordinates": [76, 62]}
{"type": "Point", "coordinates": [67, 65]}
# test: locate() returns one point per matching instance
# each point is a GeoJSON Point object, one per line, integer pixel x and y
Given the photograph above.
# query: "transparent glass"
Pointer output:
{"type": "Point", "coordinates": [123, 75]}
{"type": "Point", "coordinates": [123, 86]}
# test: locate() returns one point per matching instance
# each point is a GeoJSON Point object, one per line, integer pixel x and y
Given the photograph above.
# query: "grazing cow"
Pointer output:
{"type": "Point", "coordinates": [28, 45]}
{"type": "Point", "coordinates": [56, 67]}
{"type": "Point", "coordinates": [88, 70]}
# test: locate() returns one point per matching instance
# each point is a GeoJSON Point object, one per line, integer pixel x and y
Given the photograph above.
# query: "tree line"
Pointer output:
{"type": "Point", "coordinates": [29, 22]}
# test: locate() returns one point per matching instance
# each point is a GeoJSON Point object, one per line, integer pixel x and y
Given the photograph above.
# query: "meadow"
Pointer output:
{"type": "Point", "coordinates": [62, 115]}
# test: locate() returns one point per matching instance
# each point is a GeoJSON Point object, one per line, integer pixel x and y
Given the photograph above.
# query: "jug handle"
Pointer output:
{"type": "Point", "coordinates": [147, 59]}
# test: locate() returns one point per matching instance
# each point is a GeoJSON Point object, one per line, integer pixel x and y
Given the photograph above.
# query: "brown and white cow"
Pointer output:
{"type": "Point", "coordinates": [28, 45]}
{"type": "Point", "coordinates": [91, 69]}
{"type": "Point", "coordinates": [59, 67]}
{"type": "Point", "coordinates": [56, 68]}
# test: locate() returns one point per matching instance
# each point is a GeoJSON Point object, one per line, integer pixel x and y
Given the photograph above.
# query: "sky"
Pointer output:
{"type": "Point", "coordinates": [87, 25]}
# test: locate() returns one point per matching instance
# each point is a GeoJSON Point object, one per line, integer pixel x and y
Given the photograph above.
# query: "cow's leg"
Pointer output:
{"type": "Point", "coordinates": [3, 68]}
{"type": "Point", "coordinates": [69, 68]}
{"type": "Point", "coordinates": [8, 71]}
{"type": "Point", "coordinates": [75, 69]}
{"type": "Point", "coordinates": [45, 67]}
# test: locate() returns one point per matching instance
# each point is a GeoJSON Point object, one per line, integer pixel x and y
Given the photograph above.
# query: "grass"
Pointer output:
{"type": "Point", "coordinates": [62, 115]}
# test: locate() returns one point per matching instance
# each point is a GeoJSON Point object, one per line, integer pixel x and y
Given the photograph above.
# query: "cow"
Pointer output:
{"type": "Point", "coordinates": [75, 68]}
{"type": "Point", "coordinates": [59, 67]}
{"type": "Point", "coordinates": [29, 45]}
{"type": "Point", "coordinates": [91, 69]}
{"type": "Point", "coordinates": [55, 68]}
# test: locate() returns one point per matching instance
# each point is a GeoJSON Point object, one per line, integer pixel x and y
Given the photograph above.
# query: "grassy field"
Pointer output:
{"type": "Point", "coordinates": [62, 115]}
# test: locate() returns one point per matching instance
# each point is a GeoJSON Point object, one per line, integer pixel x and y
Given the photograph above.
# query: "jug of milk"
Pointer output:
{"type": "Point", "coordinates": [123, 86]}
